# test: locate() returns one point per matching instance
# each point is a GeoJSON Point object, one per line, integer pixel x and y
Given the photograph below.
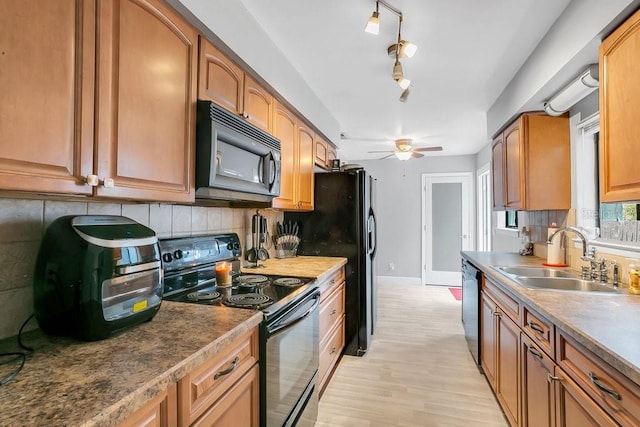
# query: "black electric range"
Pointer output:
{"type": "Point", "coordinates": [189, 268]}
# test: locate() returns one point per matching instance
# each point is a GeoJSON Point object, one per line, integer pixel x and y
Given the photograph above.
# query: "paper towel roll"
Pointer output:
{"type": "Point", "coordinates": [555, 253]}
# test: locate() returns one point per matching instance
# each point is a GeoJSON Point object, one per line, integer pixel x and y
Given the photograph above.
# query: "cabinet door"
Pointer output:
{"type": "Point", "coordinates": [220, 80]}
{"type": "Point", "coordinates": [538, 398]}
{"type": "Point", "coordinates": [240, 406]}
{"type": "Point", "coordinates": [305, 168]}
{"type": "Point", "coordinates": [508, 367]}
{"type": "Point", "coordinates": [161, 411]}
{"type": "Point", "coordinates": [488, 339]}
{"type": "Point", "coordinates": [258, 105]}
{"type": "Point", "coordinates": [574, 408]}
{"type": "Point", "coordinates": [497, 171]}
{"type": "Point", "coordinates": [619, 106]}
{"type": "Point", "coordinates": [46, 82]}
{"type": "Point", "coordinates": [285, 130]}
{"type": "Point", "coordinates": [514, 166]}
{"type": "Point", "coordinates": [331, 154]}
{"type": "Point", "coordinates": [146, 89]}
{"type": "Point", "coordinates": [321, 153]}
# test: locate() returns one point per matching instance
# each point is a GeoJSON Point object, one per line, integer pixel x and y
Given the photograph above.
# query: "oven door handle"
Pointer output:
{"type": "Point", "coordinates": [288, 322]}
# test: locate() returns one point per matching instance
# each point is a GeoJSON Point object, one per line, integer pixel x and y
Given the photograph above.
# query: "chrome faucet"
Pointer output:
{"type": "Point", "coordinates": [580, 235]}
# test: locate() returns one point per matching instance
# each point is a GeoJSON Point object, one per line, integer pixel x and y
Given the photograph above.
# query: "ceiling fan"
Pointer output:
{"type": "Point", "coordinates": [404, 150]}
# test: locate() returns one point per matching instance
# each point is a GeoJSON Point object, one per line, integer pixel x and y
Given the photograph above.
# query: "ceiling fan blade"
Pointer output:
{"type": "Point", "coordinates": [416, 155]}
{"type": "Point", "coordinates": [386, 157]}
{"type": "Point", "coordinates": [428, 149]}
{"type": "Point", "coordinates": [384, 151]}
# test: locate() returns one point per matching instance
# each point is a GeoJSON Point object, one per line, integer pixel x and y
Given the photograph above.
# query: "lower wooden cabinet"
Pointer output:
{"type": "Point", "coordinates": [541, 376]}
{"type": "Point", "coordinates": [500, 351]}
{"type": "Point", "coordinates": [161, 411]}
{"type": "Point", "coordinates": [332, 294]}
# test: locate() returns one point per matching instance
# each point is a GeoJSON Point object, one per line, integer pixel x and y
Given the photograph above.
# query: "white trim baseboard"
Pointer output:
{"type": "Point", "coordinates": [398, 280]}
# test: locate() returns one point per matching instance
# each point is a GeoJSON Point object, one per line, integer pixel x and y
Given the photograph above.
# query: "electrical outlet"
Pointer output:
{"type": "Point", "coordinates": [391, 266]}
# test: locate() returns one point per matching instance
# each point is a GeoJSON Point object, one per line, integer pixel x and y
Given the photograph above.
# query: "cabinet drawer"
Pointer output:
{"type": "Point", "coordinates": [333, 280]}
{"type": "Point", "coordinates": [329, 353]}
{"type": "Point", "coordinates": [331, 311]}
{"type": "Point", "coordinates": [158, 412]}
{"type": "Point", "coordinates": [617, 395]}
{"type": "Point", "coordinates": [199, 389]}
{"type": "Point", "coordinates": [539, 329]}
{"type": "Point", "coordinates": [506, 303]}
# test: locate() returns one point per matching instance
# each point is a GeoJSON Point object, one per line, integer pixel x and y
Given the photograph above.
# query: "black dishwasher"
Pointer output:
{"type": "Point", "coordinates": [471, 308]}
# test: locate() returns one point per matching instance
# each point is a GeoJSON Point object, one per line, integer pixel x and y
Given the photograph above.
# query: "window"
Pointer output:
{"type": "Point", "coordinates": [511, 219]}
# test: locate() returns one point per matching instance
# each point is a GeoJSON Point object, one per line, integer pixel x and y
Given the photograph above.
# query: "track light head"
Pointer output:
{"type": "Point", "coordinates": [373, 25]}
{"type": "Point", "coordinates": [407, 49]}
{"type": "Point", "coordinates": [405, 95]}
{"type": "Point", "coordinates": [397, 71]}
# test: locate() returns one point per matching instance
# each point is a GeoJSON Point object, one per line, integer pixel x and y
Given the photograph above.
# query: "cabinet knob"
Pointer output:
{"type": "Point", "coordinates": [92, 180]}
{"type": "Point", "coordinates": [108, 183]}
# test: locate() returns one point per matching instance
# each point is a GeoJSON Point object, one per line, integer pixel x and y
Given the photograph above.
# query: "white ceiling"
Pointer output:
{"type": "Point", "coordinates": [468, 51]}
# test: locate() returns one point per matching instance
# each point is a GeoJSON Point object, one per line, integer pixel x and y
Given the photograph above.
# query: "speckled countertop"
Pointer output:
{"type": "Point", "coordinates": [607, 324]}
{"type": "Point", "coordinates": [301, 266]}
{"type": "Point", "coordinates": [74, 383]}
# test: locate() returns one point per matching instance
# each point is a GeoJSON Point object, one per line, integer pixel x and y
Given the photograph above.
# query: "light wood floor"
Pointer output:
{"type": "Point", "coordinates": [417, 372]}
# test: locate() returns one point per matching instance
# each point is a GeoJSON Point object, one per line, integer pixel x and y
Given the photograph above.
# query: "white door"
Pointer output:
{"type": "Point", "coordinates": [447, 226]}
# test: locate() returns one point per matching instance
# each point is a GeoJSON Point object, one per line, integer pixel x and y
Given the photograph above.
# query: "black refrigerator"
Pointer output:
{"type": "Point", "coordinates": [343, 224]}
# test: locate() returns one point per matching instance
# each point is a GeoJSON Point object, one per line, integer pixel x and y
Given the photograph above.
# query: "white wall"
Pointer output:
{"type": "Point", "coordinates": [399, 208]}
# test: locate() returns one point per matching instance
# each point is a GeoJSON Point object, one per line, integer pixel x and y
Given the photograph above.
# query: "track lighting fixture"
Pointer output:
{"type": "Point", "coordinates": [373, 25]}
{"type": "Point", "coordinates": [400, 49]}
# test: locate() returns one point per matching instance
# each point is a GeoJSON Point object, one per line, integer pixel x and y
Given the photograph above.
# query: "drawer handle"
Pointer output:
{"type": "Point", "coordinates": [333, 312]}
{"type": "Point", "coordinates": [551, 378]}
{"type": "Point", "coordinates": [535, 352]}
{"type": "Point", "coordinates": [333, 350]}
{"type": "Point", "coordinates": [228, 370]}
{"type": "Point", "coordinates": [536, 327]}
{"type": "Point", "coordinates": [497, 313]}
{"type": "Point", "coordinates": [596, 382]}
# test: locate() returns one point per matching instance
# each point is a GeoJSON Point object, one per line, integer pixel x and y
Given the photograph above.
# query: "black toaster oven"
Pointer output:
{"type": "Point", "coordinates": [96, 274]}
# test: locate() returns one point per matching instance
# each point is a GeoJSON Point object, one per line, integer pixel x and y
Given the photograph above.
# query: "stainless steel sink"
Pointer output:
{"type": "Point", "coordinates": [564, 284]}
{"type": "Point", "coordinates": [535, 272]}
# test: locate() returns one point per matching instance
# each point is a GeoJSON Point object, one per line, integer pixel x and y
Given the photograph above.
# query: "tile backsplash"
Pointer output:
{"type": "Point", "coordinates": [23, 222]}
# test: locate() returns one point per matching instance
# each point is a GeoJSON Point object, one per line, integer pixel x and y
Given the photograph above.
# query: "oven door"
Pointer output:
{"type": "Point", "coordinates": [291, 364]}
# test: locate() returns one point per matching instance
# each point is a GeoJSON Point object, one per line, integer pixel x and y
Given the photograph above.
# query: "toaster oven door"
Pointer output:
{"type": "Point", "coordinates": [125, 295]}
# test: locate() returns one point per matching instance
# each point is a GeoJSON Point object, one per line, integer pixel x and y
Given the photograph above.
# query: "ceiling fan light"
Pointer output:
{"type": "Point", "coordinates": [404, 95]}
{"type": "Point", "coordinates": [403, 155]}
{"type": "Point", "coordinates": [403, 83]}
{"type": "Point", "coordinates": [373, 25]}
{"type": "Point", "coordinates": [407, 49]}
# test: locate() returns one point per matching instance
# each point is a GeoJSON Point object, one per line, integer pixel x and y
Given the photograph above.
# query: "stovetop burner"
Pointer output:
{"type": "Point", "coordinates": [252, 300]}
{"type": "Point", "coordinates": [203, 296]}
{"type": "Point", "coordinates": [290, 282]}
{"type": "Point", "coordinates": [252, 280]}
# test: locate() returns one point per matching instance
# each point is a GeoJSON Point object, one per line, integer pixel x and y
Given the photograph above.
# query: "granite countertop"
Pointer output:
{"type": "Point", "coordinates": [607, 324]}
{"type": "Point", "coordinates": [317, 267]}
{"type": "Point", "coordinates": [68, 382]}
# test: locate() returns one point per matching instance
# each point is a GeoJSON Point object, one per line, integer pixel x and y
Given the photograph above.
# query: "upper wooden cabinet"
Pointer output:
{"type": "Point", "coordinates": [325, 152]}
{"type": "Point", "coordinates": [619, 106]}
{"type": "Point", "coordinates": [146, 89]}
{"type": "Point", "coordinates": [297, 160]}
{"type": "Point", "coordinates": [225, 83]}
{"type": "Point", "coordinates": [47, 83]}
{"type": "Point", "coordinates": [536, 164]}
{"type": "Point", "coordinates": [144, 79]}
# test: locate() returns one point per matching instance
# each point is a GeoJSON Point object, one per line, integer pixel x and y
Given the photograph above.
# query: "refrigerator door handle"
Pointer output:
{"type": "Point", "coordinates": [372, 233]}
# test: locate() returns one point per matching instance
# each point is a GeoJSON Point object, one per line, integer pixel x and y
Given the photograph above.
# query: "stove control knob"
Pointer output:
{"type": "Point", "coordinates": [230, 246]}
{"type": "Point", "coordinates": [177, 254]}
{"type": "Point", "coordinates": [167, 257]}
{"type": "Point", "coordinates": [236, 246]}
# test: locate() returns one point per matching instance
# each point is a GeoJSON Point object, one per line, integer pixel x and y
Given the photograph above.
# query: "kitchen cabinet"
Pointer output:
{"type": "Point", "coordinates": [538, 398]}
{"type": "Point", "coordinates": [332, 317]}
{"type": "Point", "coordinates": [47, 84]}
{"type": "Point", "coordinates": [161, 411]}
{"type": "Point", "coordinates": [619, 104]}
{"type": "Point", "coordinates": [226, 84]}
{"type": "Point", "coordinates": [497, 170]}
{"type": "Point", "coordinates": [133, 139]}
{"type": "Point", "coordinates": [223, 390]}
{"type": "Point", "coordinates": [296, 163]}
{"type": "Point", "coordinates": [535, 171]}
{"type": "Point", "coordinates": [500, 350]}
{"type": "Point", "coordinates": [324, 153]}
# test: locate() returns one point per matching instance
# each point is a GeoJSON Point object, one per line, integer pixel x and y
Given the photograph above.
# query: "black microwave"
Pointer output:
{"type": "Point", "coordinates": [235, 161]}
